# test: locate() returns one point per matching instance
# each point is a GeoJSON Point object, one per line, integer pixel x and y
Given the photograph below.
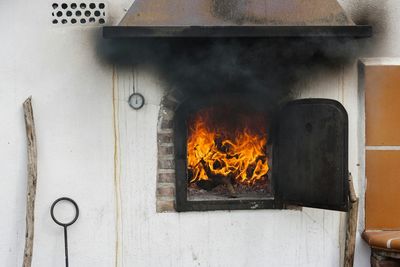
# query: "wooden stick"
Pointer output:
{"type": "Point", "coordinates": [32, 179]}
{"type": "Point", "coordinates": [352, 193]}
{"type": "Point", "coordinates": [351, 230]}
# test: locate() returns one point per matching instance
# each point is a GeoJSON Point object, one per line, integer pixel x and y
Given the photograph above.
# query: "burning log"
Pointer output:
{"type": "Point", "coordinates": [227, 181]}
{"type": "Point", "coordinates": [215, 180]}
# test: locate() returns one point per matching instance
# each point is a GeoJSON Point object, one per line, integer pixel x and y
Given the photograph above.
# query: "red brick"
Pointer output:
{"type": "Point", "coordinates": [166, 177]}
{"type": "Point", "coordinates": [167, 190]}
{"type": "Point", "coordinates": [165, 206]}
{"type": "Point", "coordinates": [166, 164]}
{"type": "Point", "coordinates": [166, 124]}
{"type": "Point", "coordinates": [165, 138]}
{"type": "Point", "coordinates": [166, 150]}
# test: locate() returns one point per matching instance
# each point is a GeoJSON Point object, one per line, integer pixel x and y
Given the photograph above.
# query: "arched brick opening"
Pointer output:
{"type": "Point", "coordinates": [165, 189]}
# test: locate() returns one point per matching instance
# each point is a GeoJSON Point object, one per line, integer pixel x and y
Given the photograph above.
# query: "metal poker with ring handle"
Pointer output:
{"type": "Point", "coordinates": [65, 225]}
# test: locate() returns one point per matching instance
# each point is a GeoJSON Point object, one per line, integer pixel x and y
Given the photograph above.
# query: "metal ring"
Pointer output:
{"type": "Point", "coordinates": [76, 211]}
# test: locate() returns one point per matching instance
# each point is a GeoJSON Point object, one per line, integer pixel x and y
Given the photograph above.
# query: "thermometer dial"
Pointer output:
{"type": "Point", "coordinates": [136, 101]}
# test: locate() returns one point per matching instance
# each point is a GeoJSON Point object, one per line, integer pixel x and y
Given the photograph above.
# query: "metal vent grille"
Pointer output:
{"type": "Point", "coordinates": [92, 13]}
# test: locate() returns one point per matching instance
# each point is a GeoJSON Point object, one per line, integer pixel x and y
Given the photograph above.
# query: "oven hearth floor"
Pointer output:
{"type": "Point", "coordinates": [203, 196]}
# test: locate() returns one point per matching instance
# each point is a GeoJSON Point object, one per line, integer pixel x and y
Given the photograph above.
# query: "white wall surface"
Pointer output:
{"type": "Point", "coordinates": [95, 149]}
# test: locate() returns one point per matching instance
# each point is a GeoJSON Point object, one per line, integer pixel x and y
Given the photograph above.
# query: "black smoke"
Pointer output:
{"type": "Point", "coordinates": [267, 66]}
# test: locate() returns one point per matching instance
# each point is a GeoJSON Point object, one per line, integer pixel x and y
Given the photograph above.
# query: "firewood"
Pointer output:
{"type": "Point", "coordinates": [229, 186]}
{"type": "Point", "coordinates": [351, 230]}
{"type": "Point", "coordinates": [215, 180]}
{"type": "Point", "coordinates": [207, 184]}
{"type": "Point", "coordinates": [32, 180]}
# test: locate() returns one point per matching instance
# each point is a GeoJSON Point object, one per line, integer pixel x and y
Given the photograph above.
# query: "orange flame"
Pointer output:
{"type": "Point", "coordinates": [238, 153]}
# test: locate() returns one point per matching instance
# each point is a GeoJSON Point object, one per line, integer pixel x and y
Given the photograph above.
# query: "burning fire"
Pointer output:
{"type": "Point", "coordinates": [217, 150]}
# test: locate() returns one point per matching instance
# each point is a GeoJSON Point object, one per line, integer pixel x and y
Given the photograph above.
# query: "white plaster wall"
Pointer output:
{"type": "Point", "coordinates": [95, 149]}
{"type": "Point", "coordinates": [72, 101]}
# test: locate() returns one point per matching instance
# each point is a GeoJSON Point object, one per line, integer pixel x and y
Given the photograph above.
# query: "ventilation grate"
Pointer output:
{"type": "Point", "coordinates": [92, 13]}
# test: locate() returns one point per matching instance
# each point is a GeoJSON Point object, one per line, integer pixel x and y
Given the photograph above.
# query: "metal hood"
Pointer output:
{"type": "Point", "coordinates": [236, 18]}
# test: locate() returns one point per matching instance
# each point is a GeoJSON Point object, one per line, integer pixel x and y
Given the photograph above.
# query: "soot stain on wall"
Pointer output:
{"type": "Point", "coordinates": [270, 67]}
{"type": "Point", "coordinates": [266, 66]}
{"type": "Point", "coordinates": [374, 13]}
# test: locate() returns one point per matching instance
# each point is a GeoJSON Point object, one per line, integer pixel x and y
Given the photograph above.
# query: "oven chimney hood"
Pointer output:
{"type": "Point", "coordinates": [236, 18]}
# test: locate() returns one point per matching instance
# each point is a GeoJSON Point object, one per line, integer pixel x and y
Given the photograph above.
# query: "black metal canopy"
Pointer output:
{"type": "Point", "coordinates": [236, 18]}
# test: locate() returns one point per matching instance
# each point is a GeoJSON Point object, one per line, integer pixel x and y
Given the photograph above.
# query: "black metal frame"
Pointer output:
{"type": "Point", "coordinates": [356, 31]}
{"type": "Point", "coordinates": [180, 142]}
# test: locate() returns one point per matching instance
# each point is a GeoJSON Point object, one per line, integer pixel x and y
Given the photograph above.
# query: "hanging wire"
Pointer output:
{"type": "Point", "coordinates": [133, 80]}
{"type": "Point", "coordinates": [137, 97]}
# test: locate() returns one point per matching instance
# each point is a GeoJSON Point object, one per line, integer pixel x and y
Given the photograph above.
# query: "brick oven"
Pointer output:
{"type": "Point", "coordinates": [229, 139]}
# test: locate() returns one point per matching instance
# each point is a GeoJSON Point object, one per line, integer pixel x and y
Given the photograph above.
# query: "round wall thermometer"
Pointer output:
{"type": "Point", "coordinates": [136, 101]}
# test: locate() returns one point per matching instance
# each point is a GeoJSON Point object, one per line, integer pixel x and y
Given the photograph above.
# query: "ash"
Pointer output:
{"type": "Point", "coordinates": [260, 190]}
